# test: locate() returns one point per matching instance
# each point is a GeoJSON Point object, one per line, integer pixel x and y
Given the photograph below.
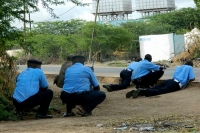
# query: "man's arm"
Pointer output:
{"type": "Point", "coordinates": [191, 78]}
{"type": "Point", "coordinates": [187, 83]}
{"type": "Point", "coordinates": [43, 83]}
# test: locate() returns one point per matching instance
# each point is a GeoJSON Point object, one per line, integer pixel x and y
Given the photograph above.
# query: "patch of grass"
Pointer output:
{"type": "Point", "coordinates": [6, 113]}
{"type": "Point", "coordinates": [117, 64]}
{"type": "Point", "coordinates": [57, 107]}
{"type": "Point", "coordinates": [164, 124]}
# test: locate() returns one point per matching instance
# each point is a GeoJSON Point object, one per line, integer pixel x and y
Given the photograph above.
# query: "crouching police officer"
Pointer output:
{"type": "Point", "coordinates": [77, 88]}
{"type": "Point", "coordinates": [32, 90]}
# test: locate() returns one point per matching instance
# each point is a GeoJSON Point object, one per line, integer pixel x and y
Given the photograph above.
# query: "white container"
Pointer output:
{"type": "Point", "coordinates": [161, 47]}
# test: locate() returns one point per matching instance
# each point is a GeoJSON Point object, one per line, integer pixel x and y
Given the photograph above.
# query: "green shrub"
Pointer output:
{"type": "Point", "coordinates": [8, 74]}
{"type": "Point", "coordinates": [118, 64]}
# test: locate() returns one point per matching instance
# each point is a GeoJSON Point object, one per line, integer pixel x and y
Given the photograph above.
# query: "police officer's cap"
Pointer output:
{"type": "Point", "coordinates": [34, 61]}
{"type": "Point", "coordinates": [78, 57]}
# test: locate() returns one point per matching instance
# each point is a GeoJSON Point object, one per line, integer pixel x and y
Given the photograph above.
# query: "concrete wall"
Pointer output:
{"type": "Point", "coordinates": [14, 52]}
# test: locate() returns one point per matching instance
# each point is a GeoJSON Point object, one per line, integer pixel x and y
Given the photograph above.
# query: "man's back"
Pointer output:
{"type": "Point", "coordinates": [59, 79]}
{"type": "Point", "coordinates": [142, 68]}
{"type": "Point", "coordinates": [79, 78]}
{"type": "Point", "coordinates": [183, 74]}
{"type": "Point", "coordinates": [132, 65]}
{"type": "Point", "coordinates": [28, 83]}
{"type": "Point", "coordinates": [65, 66]}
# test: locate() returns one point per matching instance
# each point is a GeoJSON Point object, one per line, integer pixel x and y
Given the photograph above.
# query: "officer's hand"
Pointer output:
{"type": "Point", "coordinates": [97, 88]}
{"type": "Point", "coordinates": [161, 68]}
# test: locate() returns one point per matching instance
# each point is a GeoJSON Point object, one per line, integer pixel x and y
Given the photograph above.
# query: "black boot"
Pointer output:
{"type": "Point", "coordinates": [107, 87]}
{"type": "Point", "coordinates": [139, 92]}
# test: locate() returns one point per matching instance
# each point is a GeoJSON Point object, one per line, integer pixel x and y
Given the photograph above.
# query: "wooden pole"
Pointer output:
{"type": "Point", "coordinates": [93, 31]}
{"type": "Point", "coordinates": [30, 20]}
{"type": "Point", "coordinates": [24, 23]}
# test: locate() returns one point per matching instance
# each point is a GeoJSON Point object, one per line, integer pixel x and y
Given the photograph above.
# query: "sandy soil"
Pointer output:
{"type": "Point", "coordinates": [114, 111]}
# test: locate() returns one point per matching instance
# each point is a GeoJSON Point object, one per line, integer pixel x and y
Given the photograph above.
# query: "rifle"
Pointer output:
{"type": "Point", "coordinates": [92, 67]}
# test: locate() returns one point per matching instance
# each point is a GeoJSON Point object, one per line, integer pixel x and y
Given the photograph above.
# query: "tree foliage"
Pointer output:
{"type": "Point", "coordinates": [60, 38]}
{"type": "Point", "coordinates": [197, 3]}
{"type": "Point", "coordinates": [185, 18]}
{"type": "Point", "coordinates": [58, 27]}
{"type": "Point", "coordinates": [54, 40]}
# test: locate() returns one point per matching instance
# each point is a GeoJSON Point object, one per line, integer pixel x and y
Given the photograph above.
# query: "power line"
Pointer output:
{"type": "Point", "coordinates": [58, 15]}
{"type": "Point", "coordinates": [63, 13]}
{"type": "Point", "coordinates": [17, 24]}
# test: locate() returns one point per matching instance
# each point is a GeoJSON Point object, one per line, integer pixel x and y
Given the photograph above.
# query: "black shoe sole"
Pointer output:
{"type": "Point", "coordinates": [136, 93]}
{"type": "Point", "coordinates": [129, 94]}
{"type": "Point", "coordinates": [107, 88]}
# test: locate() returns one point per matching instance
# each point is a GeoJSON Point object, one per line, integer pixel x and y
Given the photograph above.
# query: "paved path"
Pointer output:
{"type": "Point", "coordinates": [108, 71]}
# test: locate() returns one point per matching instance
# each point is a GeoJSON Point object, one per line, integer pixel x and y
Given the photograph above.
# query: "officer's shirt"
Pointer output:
{"type": "Point", "coordinates": [28, 83]}
{"type": "Point", "coordinates": [79, 78]}
{"type": "Point", "coordinates": [132, 65]}
{"type": "Point", "coordinates": [142, 68]}
{"type": "Point", "coordinates": [183, 74]}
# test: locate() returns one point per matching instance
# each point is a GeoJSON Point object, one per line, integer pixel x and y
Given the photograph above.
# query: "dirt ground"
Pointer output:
{"type": "Point", "coordinates": [176, 112]}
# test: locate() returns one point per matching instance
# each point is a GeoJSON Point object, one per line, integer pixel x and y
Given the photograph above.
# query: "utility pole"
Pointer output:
{"type": "Point", "coordinates": [93, 31]}
{"type": "Point", "coordinates": [30, 20]}
{"type": "Point", "coordinates": [24, 22]}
